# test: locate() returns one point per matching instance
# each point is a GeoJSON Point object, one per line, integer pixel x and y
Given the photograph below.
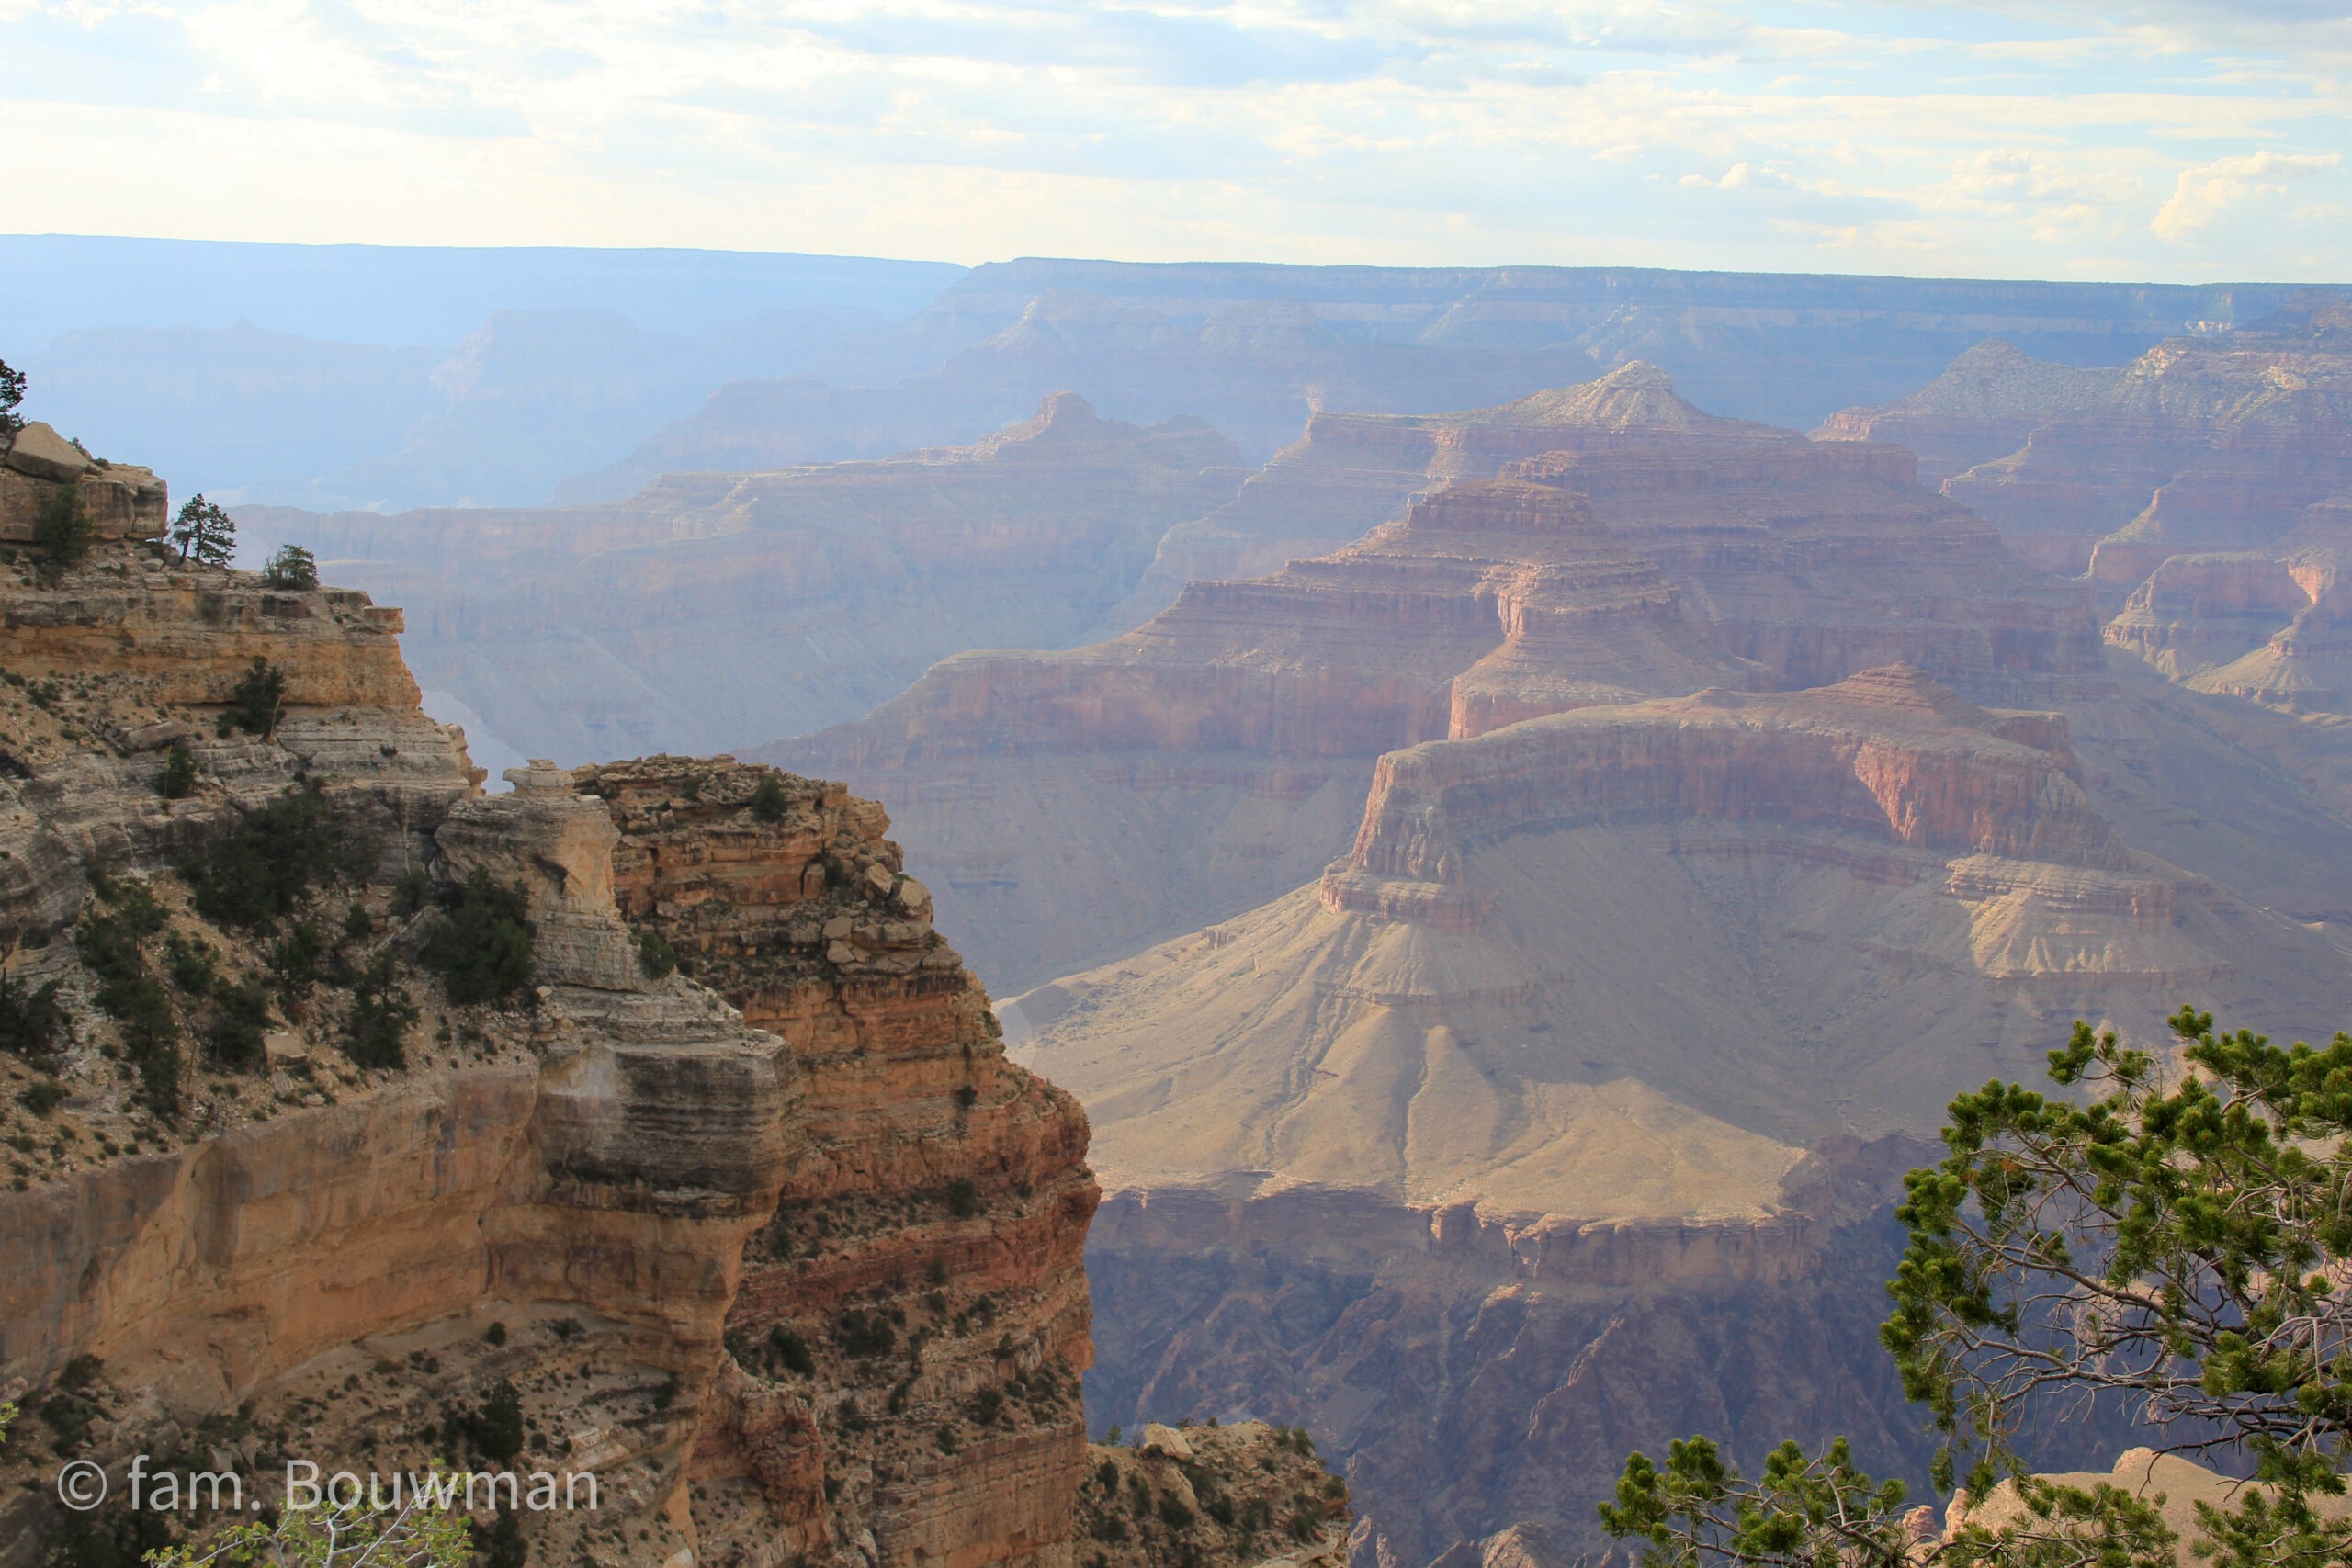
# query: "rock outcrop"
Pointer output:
{"type": "Point", "coordinates": [2203, 492]}
{"type": "Point", "coordinates": [1258, 349]}
{"type": "Point", "coordinates": [793, 1280]}
{"type": "Point", "coordinates": [942, 1196]}
{"type": "Point", "coordinates": [1594, 1055]}
{"type": "Point", "coordinates": [120, 501]}
{"type": "Point", "coordinates": [716, 607]}
{"type": "Point", "coordinates": [1646, 550]}
{"type": "Point", "coordinates": [1351, 471]}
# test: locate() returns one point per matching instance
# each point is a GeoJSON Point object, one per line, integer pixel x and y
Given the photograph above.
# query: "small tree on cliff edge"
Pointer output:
{"type": "Point", "coordinates": [12, 394]}
{"type": "Point", "coordinates": [2183, 1242]}
{"type": "Point", "coordinates": [204, 533]}
{"type": "Point", "coordinates": [292, 566]}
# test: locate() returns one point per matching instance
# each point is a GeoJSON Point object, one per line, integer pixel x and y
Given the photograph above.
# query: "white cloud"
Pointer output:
{"type": "Point", "coordinates": [1740, 133]}
{"type": "Point", "coordinates": [2208, 190]}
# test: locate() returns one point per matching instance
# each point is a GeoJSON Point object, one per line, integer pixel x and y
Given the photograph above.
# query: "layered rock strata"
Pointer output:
{"type": "Point", "coordinates": [803, 1286]}
{"type": "Point", "coordinates": [120, 501]}
{"type": "Point", "coordinates": [1593, 1055]}
{"type": "Point", "coordinates": [1647, 550]}
{"type": "Point", "coordinates": [716, 607]}
{"type": "Point", "coordinates": [1259, 349]}
{"type": "Point", "coordinates": [943, 1196]}
{"type": "Point", "coordinates": [2216, 443]}
{"type": "Point", "coordinates": [2204, 493]}
{"type": "Point", "coordinates": [1351, 471]}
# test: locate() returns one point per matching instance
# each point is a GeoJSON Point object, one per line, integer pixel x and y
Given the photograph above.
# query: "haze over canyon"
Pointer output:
{"type": "Point", "coordinates": [1401, 860]}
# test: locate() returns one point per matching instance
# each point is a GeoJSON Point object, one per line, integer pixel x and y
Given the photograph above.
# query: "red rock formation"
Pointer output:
{"type": "Point", "coordinates": [942, 1186]}
{"type": "Point", "coordinates": [616, 1194]}
{"type": "Point", "coordinates": [1819, 560]}
{"type": "Point", "coordinates": [1351, 471]}
{"type": "Point", "coordinates": [1885, 754]}
{"type": "Point", "coordinates": [1584, 576]}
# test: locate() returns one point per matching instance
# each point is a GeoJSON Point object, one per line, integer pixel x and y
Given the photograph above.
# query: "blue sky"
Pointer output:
{"type": "Point", "coordinates": [2166, 140]}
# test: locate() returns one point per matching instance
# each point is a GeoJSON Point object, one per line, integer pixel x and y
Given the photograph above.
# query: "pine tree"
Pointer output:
{"type": "Point", "coordinates": [12, 393]}
{"type": "Point", "coordinates": [292, 566]}
{"type": "Point", "coordinates": [205, 533]}
{"type": "Point", "coordinates": [2173, 1237]}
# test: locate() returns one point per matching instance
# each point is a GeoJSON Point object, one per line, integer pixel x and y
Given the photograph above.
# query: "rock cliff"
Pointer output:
{"type": "Point", "coordinates": [2212, 443]}
{"type": "Point", "coordinates": [1592, 1055]}
{"type": "Point", "coordinates": [2204, 492]}
{"type": "Point", "coordinates": [716, 607]}
{"type": "Point", "coordinates": [1351, 471]}
{"type": "Point", "coordinates": [306, 1165]}
{"type": "Point", "coordinates": [1646, 550]}
{"type": "Point", "coordinates": [943, 1191]}
{"type": "Point", "coordinates": [1258, 349]}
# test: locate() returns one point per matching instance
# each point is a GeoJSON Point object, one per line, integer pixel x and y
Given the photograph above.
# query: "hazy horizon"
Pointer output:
{"type": "Point", "coordinates": [2161, 140]}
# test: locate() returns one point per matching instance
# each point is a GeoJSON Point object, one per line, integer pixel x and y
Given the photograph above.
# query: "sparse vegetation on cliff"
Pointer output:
{"type": "Point", "coordinates": [268, 862]}
{"type": "Point", "coordinates": [482, 948]}
{"type": "Point", "coordinates": [256, 700]}
{"type": "Point", "coordinates": [1209, 1495]}
{"type": "Point", "coordinates": [61, 531]}
{"type": "Point", "coordinates": [30, 1018]}
{"type": "Point", "coordinates": [2179, 1243]}
{"type": "Point", "coordinates": [291, 567]}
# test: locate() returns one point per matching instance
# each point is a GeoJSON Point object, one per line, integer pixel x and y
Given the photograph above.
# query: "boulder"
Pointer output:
{"type": "Point", "coordinates": [42, 453]}
{"type": "Point", "coordinates": [1168, 1440]}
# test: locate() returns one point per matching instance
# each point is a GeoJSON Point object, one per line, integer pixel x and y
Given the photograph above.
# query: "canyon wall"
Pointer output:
{"type": "Point", "coordinates": [2202, 492]}
{"type": "Point", "coordinates": [1626, 545]}
{"type": "Point", "coordinates": [1258, 350]}
{"type": "Point", "coordinates": [1599, 1053]}
{"type": "Point", "coordinates": [713, 608]}
{"type": "Point", "coordinates": [785, 1254]}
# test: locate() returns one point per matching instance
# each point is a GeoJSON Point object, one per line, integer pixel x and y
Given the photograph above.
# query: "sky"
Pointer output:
{"type": "Point", "coordinates": [2157, 139]}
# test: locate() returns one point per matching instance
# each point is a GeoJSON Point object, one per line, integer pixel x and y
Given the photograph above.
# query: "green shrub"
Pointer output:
{"type": "Point", "coordinates": [42, 1096]}
{"type": "Point", "coordinates": [495, 1430]}
{"type": "Point", "coordinates": [768, 800]}
{"type": "Point", "coordinates": [790, 1351]}
{"type": "Point", "coordinates": [412, 892]}
{"type": "Point", "coordinates": [481, 950]}
{"type": "Point", "coordinates": [866, 1335]}
{"type": "Point", "coordinates": [381, 1016]}
{"type": "Point", "coordinates": [963, 1198]}
{"type": "Point", "coordinates": [110, 943]}
{"type": "Point", "coordinates": [240, 1019]}
{"type": "Point", "coordinates": [291, 567]}
{"type": "Point", "coordinates": [653, 950]}
{"type": "Point", "coordinates": [177, 781]}
{"type": "Point", "coordinates": [61, 530]}
{"type": "Point", "coordinates": [30, 1020]}
{"type": "Point", "coordinates": [295, 957]}
{"type": "Point", "coordinates": [205, 533]}
{"type": "Point", "coordinates": [503, 1546]}
{"type": "Point", "coordinates": [191, 965]}
{"type": "Point", "coordinates": [267, 862]}
{"type": "Point", "coordinates": [255, 701]}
